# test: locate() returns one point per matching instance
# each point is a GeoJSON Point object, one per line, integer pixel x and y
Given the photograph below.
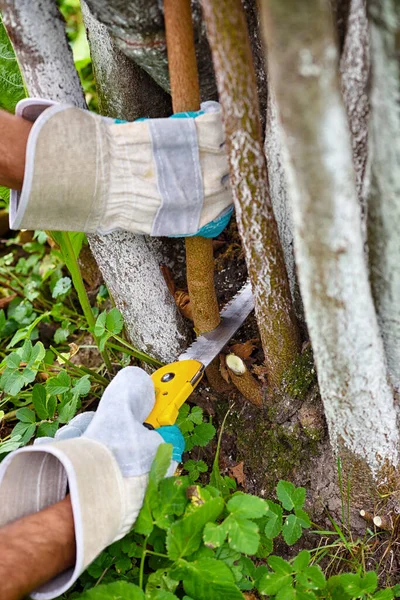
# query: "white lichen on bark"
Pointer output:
{"type": "Point", "coordinates": [228, 37]}
{"type": "Point", "coordinates": [384, 196]}
{"type": "Point", "coordinates": [129, 264]}
{"type": "Point", "coordinates": [355, 72]}
{"type": "Point", "coordinates": [339, 310]}
{"type": "Point", "coordinates": [280, 198]}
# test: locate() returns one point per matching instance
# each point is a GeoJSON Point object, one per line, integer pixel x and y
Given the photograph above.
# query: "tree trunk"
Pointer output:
{"type": "Point", "coordinates": [129, 264]}
{"type": "Point", "coordinates": [138, 29]}
{"type": "Point", "coordinates": [355, 72]}
{"type": "Point", "coordinates": [383, 201]}
{"type": "Point", "coordinates": [348, 350]}
{"type": "Point", "coordinates": [227, 33]}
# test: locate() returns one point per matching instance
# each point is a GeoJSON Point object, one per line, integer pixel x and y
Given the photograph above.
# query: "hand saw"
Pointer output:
{"type": "Point", "coordinates": [175, 382]}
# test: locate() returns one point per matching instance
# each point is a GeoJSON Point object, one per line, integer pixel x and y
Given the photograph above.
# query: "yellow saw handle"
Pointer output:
{"type": "Point", "coordinates": [173, 385]}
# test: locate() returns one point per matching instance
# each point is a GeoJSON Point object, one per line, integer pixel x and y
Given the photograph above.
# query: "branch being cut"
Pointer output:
{"type": "Point", "coordinates": [185, 93]}
{"type": "Point", "coordinates": [340, 315]}
{"type": "Point", "coordinates": [228, 37]}
{"type": "Point", "coordinates": [384, 196]}
{"type": "Point", "coordinates": [130, 264]}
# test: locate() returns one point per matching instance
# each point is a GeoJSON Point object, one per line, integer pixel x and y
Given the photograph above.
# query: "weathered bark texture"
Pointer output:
{"type": "Point", "coordinates": [133, 94]}
{"type": "Point", "coordinates": [138, 30]}
{"type": "Point", "coordinates": [279, 197]}
{"type": "Point", "coordinates": [349, 355]}
{"type": "Point", "coordinates": [355, 71]}
{"type": "Point", "coordinates": [130, 264]}
{"type": "Point", "coordinates": [384, 197]}
{"type": "Point", "coordinates": [227, 33]}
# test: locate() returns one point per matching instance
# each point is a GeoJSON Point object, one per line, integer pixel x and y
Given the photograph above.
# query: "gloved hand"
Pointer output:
{"type": "Point", "coordinates": [104, 458]}
{"type": "Point", "coordinates": [89, 173]}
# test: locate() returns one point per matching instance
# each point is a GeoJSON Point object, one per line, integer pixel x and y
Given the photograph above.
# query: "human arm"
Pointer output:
{"type": "Point", "coordinates": [35, 549]}
{"type": "Point", "coordinates": [14, 133]}
{"type": "Point", "coordinates": [104, 459]}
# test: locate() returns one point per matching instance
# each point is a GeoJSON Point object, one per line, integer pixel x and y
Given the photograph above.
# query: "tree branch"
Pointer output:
{"type": "Point", "coordinates": [228, 37]}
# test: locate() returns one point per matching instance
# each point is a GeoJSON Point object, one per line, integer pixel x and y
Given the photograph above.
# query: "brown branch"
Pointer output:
{"type": "Point", "coordinates": [228, 37]}
{"type": "Point", "coordinates": [186, 96]}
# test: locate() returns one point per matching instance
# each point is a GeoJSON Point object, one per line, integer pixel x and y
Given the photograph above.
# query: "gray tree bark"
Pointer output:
{"type": "Point", "coordinates": [348, 350]}
{"type": "Point", "coordinates": [129, 264]}
{"type": "Point", "coordinates": [383, 201]}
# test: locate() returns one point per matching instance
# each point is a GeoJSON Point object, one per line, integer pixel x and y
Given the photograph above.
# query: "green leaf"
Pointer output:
{"type": "Point", "coordinates": [242, 534]}
{"type": "Point", "coordinates": [247, 506]}
{"type": "Point", "coordinates": [119, 590]}
{"type": "Point", "coordinates": [301, 561]}
{"type": "Point", "coordinates": [214, 535]}
{"type": "Point", "coordinates": [11, 444]}
{"type": "Point", "coordinates": [11, 85]}
{"type": "Point", "coordinates": [62, 287]}
{"type": "Point", "coordinates": [172, 500]}
{"type": "Point", "coordinates": [387, 594]}
{"type": "Point", "coordinates": [47, 429]}
{"type": "Point", "coordinates": [68, 410]}
{"type": "Point", "coordinates": [61, 335]}
{"type": "Point", "coordinates": [25, 430]}
{"type": "Point", "coordinates": [279, 565]}
{"type": "Point", "coordinates": [274, 522]}
{"type": "Point", "coordinates": [82, 386]}
{"type": "Point", "coordinates": [39, 400]}
{"type": "Point", "coordinates": [292, 530]}
{"type": "Point", "coordinates": [303, 518]}
{"type": "Point", "coordinates": [13, 381]}
{"type": "Point", "coordinates": [160, 595]}
{"type": "Point", "coordinates": [185, 535]}
{"type": "Point", "coordinates": [144, 523]}
{"type": "Point", "coordinates": [201, 436]}
{"type": "Point", "coordinates": [26, 415]}
{"type": "Point", "coordinates": [100, 325]}
{"type": "Point", "coordinates": [271, 583]}
{"type": "Point", "coordinates": [114, 321]}
{"type": "Point", "coordinates": [357, 586]}
{"type": "Point", "coordinates": [207, 579]}
{"type": "Point", "coordinates": [289, 496]}
{"type": "Point", "coordinates": [311, 578]}
{"type": "Point", "coordinates": [59, 384]}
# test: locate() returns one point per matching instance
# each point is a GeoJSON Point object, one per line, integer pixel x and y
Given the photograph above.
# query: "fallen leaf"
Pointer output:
{"type": "Point", "coordinates": [74, 349]}
{"type": "Point", "coordinates": [250, 596]}
{"type": "Point", "coordinates": [182, 301]}
{"type": "Point", "coordinates": [245, 349]}
{"type": "Point", "coordinates": [181, 297]}
{"type": "Point", "coordinates": [6, 301]}
{"type": "Point", "coordinates": [237, 473]}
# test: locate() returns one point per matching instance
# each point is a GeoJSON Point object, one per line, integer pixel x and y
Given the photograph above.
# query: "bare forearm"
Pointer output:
{"type": "Point", "coordinates": [35, 549]}
{"type": "Point", "coordinates": [14, 132]}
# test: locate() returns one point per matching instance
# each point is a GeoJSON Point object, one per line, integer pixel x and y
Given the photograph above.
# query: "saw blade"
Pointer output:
{"type": "Point", "coordinates": [206, 347]}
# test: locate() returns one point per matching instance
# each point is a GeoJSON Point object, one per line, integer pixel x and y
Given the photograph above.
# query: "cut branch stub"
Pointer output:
{"type": "Point", "coordinates": [228, 37]}
{"type": "Point", "coordinates": [241, 377]}
{"type": "Point", "coordinates": [186, 97]}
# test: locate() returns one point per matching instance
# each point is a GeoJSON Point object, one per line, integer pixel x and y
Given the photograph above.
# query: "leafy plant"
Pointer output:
{"type": "Point", "coordinates": [190, 542]}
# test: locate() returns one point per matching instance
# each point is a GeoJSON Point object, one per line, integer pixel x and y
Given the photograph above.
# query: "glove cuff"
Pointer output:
{"type": "Point", "coordinates": [65, 179]}
{"type": "Point", "coordinates": [104, 504]}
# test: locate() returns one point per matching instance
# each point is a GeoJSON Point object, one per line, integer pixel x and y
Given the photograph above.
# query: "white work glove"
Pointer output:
{"type": "Point", "coordinates": [104, 457]}
{"type": "Point", "coordinates": [161, 177]}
